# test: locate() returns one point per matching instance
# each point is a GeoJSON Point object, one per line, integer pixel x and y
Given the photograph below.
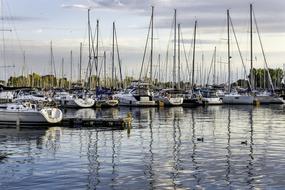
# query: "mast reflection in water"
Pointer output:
{"type": "Point", "coordinates": [217, 147]}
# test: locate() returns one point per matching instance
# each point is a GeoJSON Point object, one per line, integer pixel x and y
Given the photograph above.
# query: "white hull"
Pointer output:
{"type": "Point", "coordinates": [212, 101]}
{"type": "Point", "coordinates": [170, 101]}
{"type": "Point", "coordinates": [45, 116]}
{"type": "Point", "coordinates": [238, 99]}
{"type": "Point", "coordinates": [76, 103]}
{"type": "Point", "coordinates": [107, 103]}
{"type": "Point", "coordinates": [6, 97]}
{"type": "Point", "coordinates": [129, 100]}
{"type": "Point", "coordinates": [269, 99]}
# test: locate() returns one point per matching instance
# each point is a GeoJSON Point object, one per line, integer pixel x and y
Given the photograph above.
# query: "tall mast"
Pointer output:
{"type": "Point", "coordinates": [179, 31]}
{"type": "Point", "coordinates": [151, 44]}
{"type": "Point", "coordinates": [251, 50]}
{"type": "Point", "coordinates": [229, 53]}
{"type": "Point", "coordinates": [62, 67]}
{"type": "Point", "coordinates": [51, 54]}
{"type": "Point", "coordinates": [194, 52]}
{"type": "Point", "coordinates": [71, 69]}
{"type": "Point", "coordinates": [214, 72]}
{"type": "Point", "coordinates": [51, 64]}
{"type": "Point", "coordinates": [62, 73]}
{"type": "Point", "coordinates": [159, 80]}
{"type": "Point", "coordinates": [89, 52]}
{"type": "Point", "coordinates": [174, 51]}
{"type": "Point", "coordinates": [113, 55]}
{"type": "Point", "coordinates": [97, 50]}
{"type": "Point", "coordinates": [80, 61]}
{"type": "Point", "coordinates": [119, 59]}
{"type": "Point", "coordinates": [105, 82]}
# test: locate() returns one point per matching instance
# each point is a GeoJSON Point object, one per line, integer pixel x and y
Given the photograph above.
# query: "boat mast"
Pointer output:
{"type": "Point", "coordinates": [179, 66]}
{"type": "Point", "coordinates": [105, 82]}
{"type": "Point", "coordinates": [229, 53]}
{"type": "Point", "coordinates": [62, 67]}
{"type": "Point", "coordinates": [174, 52]}
{"type": "Point", "coordinates": [214, 72]}
{"type": "Point", "coordinates": [113, 55]}
{"type": "Point", "coordinates": [118, 56]}
{"type": "Point", "coordinates": [194, 52]}
{"type": "Point", "coordinates": [97, 52]}
{"type": "Point", "coordinates": [62, 72]}
{"type": "Point", "coordinates": [71, 70]}
{"type": "Point", "coordinates": [151, 46]}
{"type": "Point", "coordinates": [89, 51]}
{"type": "Point", "coordinates": [251, 51]}
{"type": "Point", "coordinates": [80, 61]}
{"type": "Point", "coordinates": [159, 68]}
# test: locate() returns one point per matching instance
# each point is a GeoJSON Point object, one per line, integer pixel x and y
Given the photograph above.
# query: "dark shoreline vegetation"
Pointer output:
{"type": "Point", "coordinates": [35, 80]}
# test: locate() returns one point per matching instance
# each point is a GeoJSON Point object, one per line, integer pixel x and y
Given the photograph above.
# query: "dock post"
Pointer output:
{"type": "Point", "coordinates": [18, 123]}
{"type": "Point", "coordinates": [129, 120]}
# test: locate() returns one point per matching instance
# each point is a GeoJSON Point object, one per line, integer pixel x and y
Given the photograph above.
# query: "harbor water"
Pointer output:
{"type": "Point", "coordinates": [218, 147]}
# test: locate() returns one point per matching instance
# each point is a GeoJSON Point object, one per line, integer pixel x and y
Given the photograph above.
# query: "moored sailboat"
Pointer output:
{"type": "Point", "coordinates": [29, 114]}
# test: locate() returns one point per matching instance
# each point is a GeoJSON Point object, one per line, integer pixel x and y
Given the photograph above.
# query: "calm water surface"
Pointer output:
{"type": "Point", "coordinates": [219, 147]}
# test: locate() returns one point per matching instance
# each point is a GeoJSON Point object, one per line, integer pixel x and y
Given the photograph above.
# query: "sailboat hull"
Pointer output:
{"type": "Point", "coordinates": [238, 99]}
{"type": "Point", "coordinates": [269, 100]}
{"type": "Point", "coordinates": [44, 117]}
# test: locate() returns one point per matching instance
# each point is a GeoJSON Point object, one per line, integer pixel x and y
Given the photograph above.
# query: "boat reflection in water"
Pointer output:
{"type": "Point", "coordinates": [219, 147]}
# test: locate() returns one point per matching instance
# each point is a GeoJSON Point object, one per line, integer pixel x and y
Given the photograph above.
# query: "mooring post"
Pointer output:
{"type": "Point", "coordinates": [129, 121]}
{"type": "Point", "coordinates": [18, 123]}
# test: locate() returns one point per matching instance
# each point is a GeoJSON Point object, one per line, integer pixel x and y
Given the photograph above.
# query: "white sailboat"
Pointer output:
{"type": "Point", "coordinates": [262, 97]}
{"type": "Point", "coordinates": [29, 114]}
{"type": "Point", "coordinates": [234, 97]}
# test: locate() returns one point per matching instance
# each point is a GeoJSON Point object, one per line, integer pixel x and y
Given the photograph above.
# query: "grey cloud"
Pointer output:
{"type": "Point", "coordinates": [210, 13]}
{"type": "Point", "coordinates": [20, 18]}
{"type": "Point", "coordinates": [75, 6]}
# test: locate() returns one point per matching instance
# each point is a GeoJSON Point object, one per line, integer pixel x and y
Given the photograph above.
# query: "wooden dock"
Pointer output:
{"type": "Point", "coordinates": [119, 123]}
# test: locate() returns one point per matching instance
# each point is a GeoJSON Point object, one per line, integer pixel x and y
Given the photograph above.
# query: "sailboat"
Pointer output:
{"type": "Point", "coordinates": [193, 98]}
{"type": "Point", "coordinates": [29, 114]}
{"type": "Point", "coordinates": [210, 95]}
{"type": "Point", "coordinates": [139, 93]}
{"type": "Point", "coordinates": [172, 96]}
{"type": "Point", "coordinates": [233, 97]}
{"type": "Point", "coordinates": [265, 97]}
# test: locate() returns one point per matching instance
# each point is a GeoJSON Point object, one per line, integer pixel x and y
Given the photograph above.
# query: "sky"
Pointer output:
{"type": "Point", "coordinates": [35, 23]}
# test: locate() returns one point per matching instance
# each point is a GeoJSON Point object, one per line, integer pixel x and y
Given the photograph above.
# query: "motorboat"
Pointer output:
{"type": "Point", "coordinates": [192, 99]}
{"type": "Point", "coordinates": [6, 96]}
{"type": "Point", "coordinates": [67, 100]}
{"type": "Point", "coordinates": [211, 97]}
{"type": "Point", "coordinates": [27, 113]}
{"type": "Point", "coordinates": [169, 97]}
{"type": "Point", "coordinates": [106, 102]}
{"type": "Point", "coordinates": [30, 95]}
{"type": "Point", "coordinates": [104, 98]}
{"type": "Point", "coordinates": [137, 95]}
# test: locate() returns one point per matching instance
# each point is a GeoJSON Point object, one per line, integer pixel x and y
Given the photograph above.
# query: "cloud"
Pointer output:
{"type": "Point", "coordinates": [210, 13]}
{"type": "Point", "coordinates": [76, 6]}
{"type": "Point", "coordinates": [20, 18]}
